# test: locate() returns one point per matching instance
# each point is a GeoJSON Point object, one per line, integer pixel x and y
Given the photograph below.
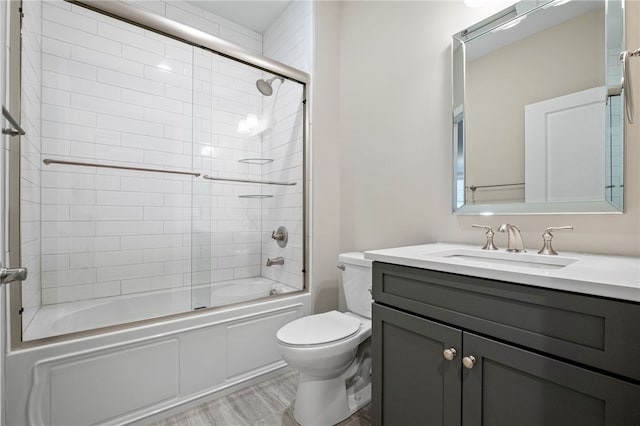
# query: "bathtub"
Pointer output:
{"type": "Point", "coordinates": [128, 375]}
{"type": "Point", "coordinates": [70, 317]}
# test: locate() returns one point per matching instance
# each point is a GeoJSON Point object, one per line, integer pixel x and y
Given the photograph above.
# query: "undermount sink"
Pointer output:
{"type": "Point", "coordinates": [490, 257]}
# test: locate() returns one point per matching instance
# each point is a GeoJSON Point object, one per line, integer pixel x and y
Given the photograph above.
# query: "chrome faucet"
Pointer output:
{"type": "Point", "coordinates": [514, 238]}
{"type": "Point", "coordinates": [275, 261]}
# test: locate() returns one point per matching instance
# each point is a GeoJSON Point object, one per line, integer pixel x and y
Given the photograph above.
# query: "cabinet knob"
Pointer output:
{"type": "Point", "coordinates": [449, 354]}
{"type": "Point", "coordinates": [469, 361]}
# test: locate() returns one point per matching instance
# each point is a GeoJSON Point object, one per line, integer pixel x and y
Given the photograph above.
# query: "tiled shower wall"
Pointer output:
{"type": "Point", "coordinates": [288, 40]}
{"type": "Point", "coordinates": [30, 147]}
{"type": "Point", "coordinates": [117, 94]}
{"type": "Point", "coordinates": [113, 94]}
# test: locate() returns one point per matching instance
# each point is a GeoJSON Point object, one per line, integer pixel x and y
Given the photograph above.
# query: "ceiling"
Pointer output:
{"type": "Point", "coordinates": [257, 15]}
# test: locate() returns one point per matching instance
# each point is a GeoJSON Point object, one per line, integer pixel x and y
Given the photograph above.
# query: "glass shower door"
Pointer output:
{"type": "Point", "coordinates": [155, 176]}
{"type": "Point", "coordinates": [107, 171]}
{"type": "Point", "coordinates": [248, 143]}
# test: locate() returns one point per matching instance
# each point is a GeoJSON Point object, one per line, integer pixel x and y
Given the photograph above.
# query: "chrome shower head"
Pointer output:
{"type": "Point", "coordinates": [264, 86]}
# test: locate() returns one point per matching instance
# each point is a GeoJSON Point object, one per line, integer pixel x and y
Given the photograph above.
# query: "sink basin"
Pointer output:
{"type": "Point", "coordinates": [521, 260]}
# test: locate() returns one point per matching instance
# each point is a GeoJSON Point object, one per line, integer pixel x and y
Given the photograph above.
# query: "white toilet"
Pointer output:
{"type": "Point", "coordinates": [332, 351]}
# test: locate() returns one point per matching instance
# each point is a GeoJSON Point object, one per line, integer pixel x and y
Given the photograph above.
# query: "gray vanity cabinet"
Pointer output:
{"type": "Point", "coordinates": [505, 370]}
{"type": "Point", "coordinates": [421, 389]}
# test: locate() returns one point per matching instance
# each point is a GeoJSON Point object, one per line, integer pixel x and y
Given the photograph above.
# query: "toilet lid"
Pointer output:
{"type": "Point", "coordinates": [319, 328]}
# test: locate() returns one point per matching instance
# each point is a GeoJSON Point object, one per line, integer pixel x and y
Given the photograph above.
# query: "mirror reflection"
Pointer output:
{"type": "Point", "coordinates": [537, 109]}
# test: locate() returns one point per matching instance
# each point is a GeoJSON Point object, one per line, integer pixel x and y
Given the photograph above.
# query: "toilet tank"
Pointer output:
{"type": "Point", "coordinates": [356, 282]}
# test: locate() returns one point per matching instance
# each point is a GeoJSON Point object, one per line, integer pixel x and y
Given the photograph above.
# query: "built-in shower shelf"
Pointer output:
{"type": "Point", "coordinates": [257, 196]}
{"type": "Point", "coordinates": [258, 161]}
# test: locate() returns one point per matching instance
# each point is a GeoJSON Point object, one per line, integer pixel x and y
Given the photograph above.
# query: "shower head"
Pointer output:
{"type": "Point", "coordinates": [264, 86]}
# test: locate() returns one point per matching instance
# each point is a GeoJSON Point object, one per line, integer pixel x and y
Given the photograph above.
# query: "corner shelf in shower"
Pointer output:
{"type": "Point", "coordinates": [258, 161]}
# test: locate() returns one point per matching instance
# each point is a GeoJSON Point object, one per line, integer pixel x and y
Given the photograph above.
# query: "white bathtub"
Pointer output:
{"type": "Point", "coordinates": [126, 375]}
{"type": "Point", "coordinates": [70, 317]}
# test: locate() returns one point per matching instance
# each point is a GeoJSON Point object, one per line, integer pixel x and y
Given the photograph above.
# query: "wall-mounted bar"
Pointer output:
{"type": "Point", "coordinates": [16, 130]}
{"type": "Point", "coordinates": [48, 161]}
{"type": "Point", "coordinates": [474, 187]}
{"type": "Point", "coordinates": [262, 182]}
{"type": "Point", "coordinates": [255, 196]}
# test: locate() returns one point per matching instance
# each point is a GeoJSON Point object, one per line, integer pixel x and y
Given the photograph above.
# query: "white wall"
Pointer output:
{"type": "Point", "coordinates": [326, 156]}
{"type": "Point", "coordinates": [395, 137]}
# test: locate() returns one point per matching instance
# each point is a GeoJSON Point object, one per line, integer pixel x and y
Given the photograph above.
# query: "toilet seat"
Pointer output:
{"type": "Point", "coordinates": [318, 329]}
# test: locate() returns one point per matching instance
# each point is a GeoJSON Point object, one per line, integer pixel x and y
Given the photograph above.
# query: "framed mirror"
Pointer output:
{"type": "Point", "coordinates": [538, 121]}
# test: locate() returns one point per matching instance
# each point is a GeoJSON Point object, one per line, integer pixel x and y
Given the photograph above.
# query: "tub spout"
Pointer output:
{"type": "Point", "coordinates": [275, 261]}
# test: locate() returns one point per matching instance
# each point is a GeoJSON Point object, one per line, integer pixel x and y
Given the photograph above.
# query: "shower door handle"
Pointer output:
{"type": "Point", "coordinates": [9, 275]}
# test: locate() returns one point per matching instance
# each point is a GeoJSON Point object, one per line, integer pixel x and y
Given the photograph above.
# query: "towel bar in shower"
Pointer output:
{"type": "Point", "coordinates": [263, 182]}
{"type": "Point", "coordinates": [48, 161]}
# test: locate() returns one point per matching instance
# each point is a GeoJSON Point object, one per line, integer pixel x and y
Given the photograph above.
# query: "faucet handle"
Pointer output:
{"type": "Point", "coordinates": [547, 236]}
{"type": "Point", "coordinates": [489, 245]}
{"type": "Point", "coordinates": [281, 236]}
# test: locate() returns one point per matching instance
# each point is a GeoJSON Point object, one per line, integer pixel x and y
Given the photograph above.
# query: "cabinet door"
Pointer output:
{"type": "Point", "coordinates": [511, 386]}
{"type": "Point", "coordinates": [413, 384]}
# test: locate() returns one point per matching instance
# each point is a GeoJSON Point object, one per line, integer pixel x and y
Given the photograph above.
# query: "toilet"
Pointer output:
{"type": "Point", "coordinates": [332, 351]}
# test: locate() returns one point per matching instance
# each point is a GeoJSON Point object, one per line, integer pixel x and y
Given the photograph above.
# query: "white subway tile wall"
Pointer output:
{"type": "Point", "coordinates": [117, 94]}
{"type": "Point", "coordinates": [31, 143]}
{"type": "Point", "coordinates": [288, 40]}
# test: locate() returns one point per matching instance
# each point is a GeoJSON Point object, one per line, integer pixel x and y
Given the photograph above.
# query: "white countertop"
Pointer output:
{"type": "Point", "coordinates": [616, 277]}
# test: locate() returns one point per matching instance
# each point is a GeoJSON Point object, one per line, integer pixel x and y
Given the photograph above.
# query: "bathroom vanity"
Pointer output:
{"type": "Point", "coordinates": [462, 336]}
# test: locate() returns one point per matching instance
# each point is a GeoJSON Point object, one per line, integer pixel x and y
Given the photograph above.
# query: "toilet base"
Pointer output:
{"type": "Point", "coordinates": [327, 402]}
{"type": "Point", "coordinates": [321, 402]}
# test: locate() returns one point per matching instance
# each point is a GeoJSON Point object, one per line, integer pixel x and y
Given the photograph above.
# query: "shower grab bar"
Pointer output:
{"type": "Point", "coordinates": [17, 129]}
{"type": "Point", "coordinates": [48, 161]}
{"type": "Point", "coordinates": [474, 187]}
{"type": "Point", "coordinates": [263, 182]}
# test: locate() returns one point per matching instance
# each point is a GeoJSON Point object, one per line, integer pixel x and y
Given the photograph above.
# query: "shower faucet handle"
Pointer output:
{"type": "Point", "coordinates": [488, 245]}
{"type": "Point", "coordinates": [281, 235]}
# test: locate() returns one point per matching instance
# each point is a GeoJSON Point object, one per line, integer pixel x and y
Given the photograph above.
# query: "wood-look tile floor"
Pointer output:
{"type": "Point", "coordinates": [269, 403]}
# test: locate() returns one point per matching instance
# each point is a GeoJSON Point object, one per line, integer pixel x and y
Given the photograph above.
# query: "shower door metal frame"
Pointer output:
{"type": "Point", "coordinates": [176, 30]}
{"type": "Point", "coordinates": [13, 185]}
{"type": "Point", "coordinates": [167, 27]}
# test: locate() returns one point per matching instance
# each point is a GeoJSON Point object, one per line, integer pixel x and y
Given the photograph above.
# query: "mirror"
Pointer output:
{"type": "Point", "coordinates": [537, 110]}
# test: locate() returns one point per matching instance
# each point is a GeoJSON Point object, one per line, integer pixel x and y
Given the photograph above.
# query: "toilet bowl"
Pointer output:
{"type": "Point", "coordinates": [332, 352]}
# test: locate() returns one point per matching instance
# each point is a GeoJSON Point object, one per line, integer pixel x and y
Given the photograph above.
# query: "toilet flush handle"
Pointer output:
{"type": "Point", "coordinates": [341, 266]}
